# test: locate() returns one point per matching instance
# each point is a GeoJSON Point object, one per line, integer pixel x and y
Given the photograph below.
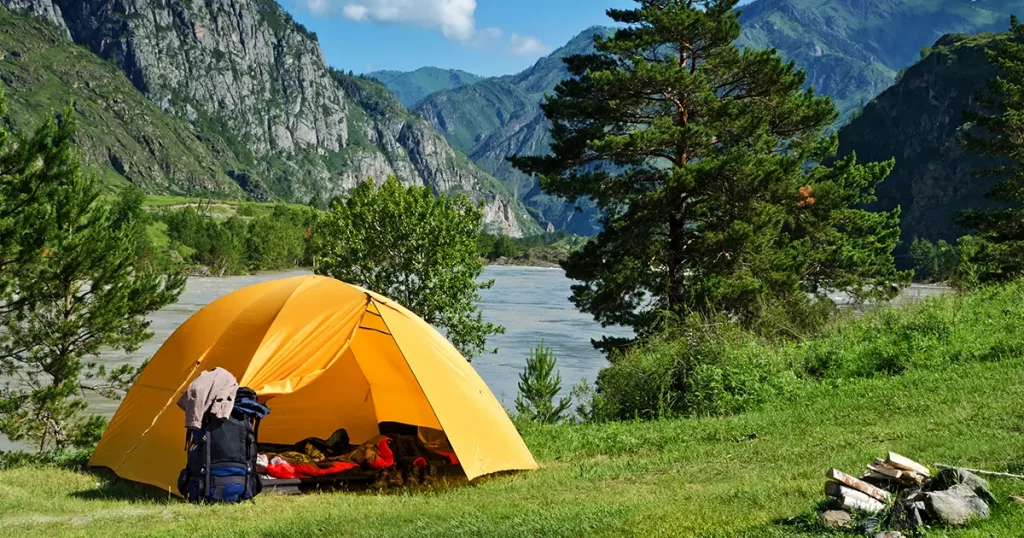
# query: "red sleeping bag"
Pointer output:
{"type": "Point", "coordinates": [284, 470]}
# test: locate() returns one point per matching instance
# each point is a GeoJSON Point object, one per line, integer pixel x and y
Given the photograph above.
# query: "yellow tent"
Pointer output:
{"type": "Point", "coordinates": [325, 355]}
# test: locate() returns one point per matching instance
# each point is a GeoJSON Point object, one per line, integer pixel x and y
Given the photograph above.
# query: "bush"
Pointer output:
{"type": "Point", "coordinates": [933, 262]}
{"type": "Point", "coordinates": [714, 368]}
{"type": "Point", "coordinates": [504, 247]}
{"type": "Point", "coordinates": [691, 369]}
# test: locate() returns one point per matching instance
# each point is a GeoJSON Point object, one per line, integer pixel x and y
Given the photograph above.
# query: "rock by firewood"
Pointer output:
{"type": "Point", "coordinates": [952, 476]}
{"type": "Point", "coordinates": [956, 505]}
{"type": "Point", "coordinates": [837, 519]}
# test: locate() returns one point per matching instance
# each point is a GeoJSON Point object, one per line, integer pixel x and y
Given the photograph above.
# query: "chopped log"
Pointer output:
{"type": "Point", "coordinates": [887, 471]}
{"type": "Point", "coordinates": [980, 472]}
{"type": "Point", "coordinates": [859, 485]}
{"type": "Point", "coordinates": [851, 498]}
{"type": "Point", "coordinates": [901, 462]}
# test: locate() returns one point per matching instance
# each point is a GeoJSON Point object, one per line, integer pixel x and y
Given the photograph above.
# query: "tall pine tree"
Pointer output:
{"type": "Point", "coordinates": [706, 161]}
{"type": "Point", "coordinates": [73, 283]}
{"type": "Point", "coordinates": [998, 132]}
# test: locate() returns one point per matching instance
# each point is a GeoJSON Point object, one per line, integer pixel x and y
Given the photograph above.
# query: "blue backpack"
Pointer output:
{"type": "Point", "coordinates": [221, 464]}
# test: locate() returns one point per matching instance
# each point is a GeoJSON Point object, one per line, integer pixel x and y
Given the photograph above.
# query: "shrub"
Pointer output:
{"type": "Point", "coordinates": [504, 247]}
{"type": "Point", "coordinates": [715, 368]}
{"type": "Point", "coordinates": [691, 369]}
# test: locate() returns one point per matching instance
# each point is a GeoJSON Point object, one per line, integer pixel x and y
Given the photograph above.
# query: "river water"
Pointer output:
{"type": "Point", "coordinates": [531, 303]}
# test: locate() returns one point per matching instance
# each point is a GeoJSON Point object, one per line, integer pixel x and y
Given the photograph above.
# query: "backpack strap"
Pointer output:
{"type": "Point", "coordinates": [208, 471]}
{"type": "Point", "coordinates": [249, 468]}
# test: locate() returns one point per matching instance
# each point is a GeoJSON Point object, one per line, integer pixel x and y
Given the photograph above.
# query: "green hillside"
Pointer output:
{"type": "Point", "coordinates": [412, 87]}
{"type": "Point", "coordinates": [121, 134]}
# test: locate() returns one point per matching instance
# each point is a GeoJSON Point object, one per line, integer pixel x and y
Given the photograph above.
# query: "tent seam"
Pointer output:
{"type": "Point", "coordinates": [404, 356]}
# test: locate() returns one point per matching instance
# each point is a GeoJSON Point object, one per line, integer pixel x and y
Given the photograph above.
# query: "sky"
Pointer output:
{"type": "Point", "coordinates": [486, 37]}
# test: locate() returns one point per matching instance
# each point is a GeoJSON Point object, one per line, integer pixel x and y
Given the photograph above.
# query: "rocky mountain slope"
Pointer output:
{"type": "Point", "coordinates": [917, 122]}
{"type": "Point", "coordinates": [254, 87]}
{"type": "Point", "coordinates": [851, 50]}
{"type": "Point", "coordinates": [501, 116]}
{"type": "Point", "coordinates": [121, 134]}
{"type": "Point", "coordinates": [413, 86]}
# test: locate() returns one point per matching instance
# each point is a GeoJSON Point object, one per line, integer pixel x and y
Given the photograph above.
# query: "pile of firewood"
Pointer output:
{"type": "Point", "coordinates": [871, 492]}
{"type": "Point", "coordinates": [901, 494]}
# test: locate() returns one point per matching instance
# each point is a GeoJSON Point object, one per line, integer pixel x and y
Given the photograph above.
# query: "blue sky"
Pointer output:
{"type": "Point", "coordinates": [487, 37]}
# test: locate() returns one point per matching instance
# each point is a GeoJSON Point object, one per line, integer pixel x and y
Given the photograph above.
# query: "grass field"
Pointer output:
{"type": "Point", "coordinates": [759, 474]}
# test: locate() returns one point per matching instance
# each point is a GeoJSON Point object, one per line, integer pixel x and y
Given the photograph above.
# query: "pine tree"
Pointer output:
{"type": "Point", "coordinates": [539, 385]}
{"type": "Point", "coordinates": [707, 163]}
{"type": "Point", "coordinates": [76, 286]}
{"type": "Point", "coordinates": [996, 130]}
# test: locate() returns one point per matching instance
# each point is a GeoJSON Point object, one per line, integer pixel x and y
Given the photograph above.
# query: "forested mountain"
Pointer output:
{"type": "Point", "coordinates": [917, 122]}
{"type": "Point", "coordinates": [501, 116]}
{"type": "Point", "coordinates": [246, 82]}
{"type": "Point", "coordinates": [413, 86]}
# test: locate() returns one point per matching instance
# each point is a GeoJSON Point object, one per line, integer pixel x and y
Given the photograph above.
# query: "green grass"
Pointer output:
{"type": "Point", "coordinates": [700, 477]}
{"type": "Point", "coordinates": [755, 474]}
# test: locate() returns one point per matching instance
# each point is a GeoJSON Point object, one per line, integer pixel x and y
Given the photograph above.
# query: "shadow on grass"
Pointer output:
{"type": "Point", "coordinates": [112, 488]}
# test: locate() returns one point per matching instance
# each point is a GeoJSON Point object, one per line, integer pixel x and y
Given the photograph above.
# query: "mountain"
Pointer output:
{"type": "Point", "coordinates": [917, 121]}
{"type": "Point", "coordinates": [254, 89]}
{"type": "Point", "coordinates": [121, 134]}
{"type": "Point", "coordinates": [851, 49]}
{"type": "Point", "coordinates": [501, 116]}
{"type": "Point", "coordinates": [413, 86]}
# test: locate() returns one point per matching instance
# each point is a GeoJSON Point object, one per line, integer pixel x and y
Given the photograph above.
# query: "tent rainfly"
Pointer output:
{"type": "Point", "coordinates": [324, 355]}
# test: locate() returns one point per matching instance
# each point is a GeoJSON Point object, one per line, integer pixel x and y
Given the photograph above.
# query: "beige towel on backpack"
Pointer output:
{"type": "Point", "coordinates": [212, 391]}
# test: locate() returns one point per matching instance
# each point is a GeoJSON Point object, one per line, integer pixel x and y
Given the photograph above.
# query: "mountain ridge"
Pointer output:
{"type": "Point", "coordinates": [254, 86]}
{"type": "Point", "coordinates": [918, 121]}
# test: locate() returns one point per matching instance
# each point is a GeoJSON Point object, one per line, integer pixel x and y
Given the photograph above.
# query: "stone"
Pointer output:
{"type": "Point", "coordinates": [870, 525]}
{"type": "Point", "coordinates": [956, 505]}
{"type": "Point", "coordinates": [838, 519]}
{"type": "Point", "coordinates": [986, 496]}
{"type": "Point", "coordinates": [948, 478]}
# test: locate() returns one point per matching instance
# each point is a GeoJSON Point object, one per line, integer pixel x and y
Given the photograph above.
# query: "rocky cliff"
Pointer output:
{"type": "Point", "coordinates": [256, 89]}
{"type": "Point", "coordinates": [917, 122]}
{"type": "Point", "coordinates": [121, 135]}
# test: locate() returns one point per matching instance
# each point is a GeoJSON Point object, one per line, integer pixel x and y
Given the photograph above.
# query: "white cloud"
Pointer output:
{"type": "Point", "coordinates": [521, 45]}
{"type": "Point", "coordinates": [354, 12]}
{"type": "Point", "coordinates": [484, 37]}
{"type": "Point", "coordinates": [456, 19]}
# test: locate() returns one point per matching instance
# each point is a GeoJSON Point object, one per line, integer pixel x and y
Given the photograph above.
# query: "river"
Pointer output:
{"type": "Point", "coordinates": [531, 303]}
